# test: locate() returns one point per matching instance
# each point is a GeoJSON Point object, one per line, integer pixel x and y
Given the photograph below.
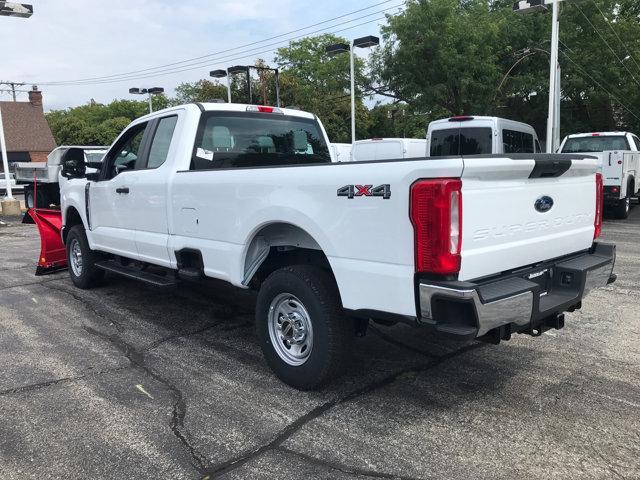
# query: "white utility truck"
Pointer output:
{"type": "Point", "coordinates": [466, 135]}
{"type": "Point", "coordinates": [618, 154]}
{"type": "Point", "coordinates": [471, 247]}
{"type": "Point", "coordinates": [45, 175]}
{"type": "Point", "coordinates": [340, 152]}
{"type": "Point", "coordinates": [388, 149]}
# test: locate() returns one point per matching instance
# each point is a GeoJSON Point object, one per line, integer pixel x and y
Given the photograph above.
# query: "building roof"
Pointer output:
{"type": "Point", "coordinates": [26, 128]}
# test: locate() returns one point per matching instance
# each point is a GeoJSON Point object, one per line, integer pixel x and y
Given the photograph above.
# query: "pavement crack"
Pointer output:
{"type": "Point", "coordinates": [38, 386]}
{"type": "Point", "coordinates": [341, 467]}
{"type": "Point", "coordinates": [295, 426]}
{"type": "Point", "coordinates": [179, 409]}
{"type": "Point", "coordinates": [88, 305]}
{"type": "Point", "coordinates": [43, 282]}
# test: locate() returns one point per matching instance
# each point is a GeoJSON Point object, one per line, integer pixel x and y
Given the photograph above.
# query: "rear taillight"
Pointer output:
{"type": "Point", "coordinates": [436, 215]}
{"type": "Point", "coordinates": [597, 223]}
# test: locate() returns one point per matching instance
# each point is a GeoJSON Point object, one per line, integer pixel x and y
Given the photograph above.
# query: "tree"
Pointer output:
{"type": "Point", "coordinates": [200, 91]}
{"type": "Point", "coordinates": [315, 82]}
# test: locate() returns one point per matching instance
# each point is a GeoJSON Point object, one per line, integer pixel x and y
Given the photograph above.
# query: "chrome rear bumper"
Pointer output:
{"type": "Point", "coordinates": [519, 300]}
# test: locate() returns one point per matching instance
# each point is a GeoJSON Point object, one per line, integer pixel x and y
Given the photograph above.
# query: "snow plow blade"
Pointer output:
{"type": "Point", "coordinates": [53, 255]}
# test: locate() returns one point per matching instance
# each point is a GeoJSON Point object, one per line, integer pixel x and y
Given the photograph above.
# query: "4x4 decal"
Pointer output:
{"type": "Point", "coordinates": [351, 191]}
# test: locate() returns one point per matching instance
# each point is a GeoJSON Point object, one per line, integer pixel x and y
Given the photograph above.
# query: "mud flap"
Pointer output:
{"type": "Point", "coordinates": [53, 255]}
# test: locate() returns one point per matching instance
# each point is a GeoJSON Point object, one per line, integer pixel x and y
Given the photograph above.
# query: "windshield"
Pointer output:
{"type": "Point", "coordinates": [230, 139]}
{"type": "Point", "coordinates": [595, 144]}
{"type": "Point", "coordinates": [461, 141]}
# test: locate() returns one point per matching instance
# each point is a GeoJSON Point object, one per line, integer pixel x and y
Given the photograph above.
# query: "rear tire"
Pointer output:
{"type": "Point", "coordinates": [303, 333]}
{"type": "Point", "coordinates": [621, 209]}
{"type": "Point", "coordinates": [81, 259]}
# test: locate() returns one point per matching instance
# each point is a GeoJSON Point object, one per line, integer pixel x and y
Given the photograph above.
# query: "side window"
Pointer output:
{"type": "Point", "coordinates": [161, 141]}
{"type": "Point", "coordinates": [517, 142]}
{"type": "Point", "coordinates": [125, 153]}
{"type": "Point", "coordinates": [636, 140]}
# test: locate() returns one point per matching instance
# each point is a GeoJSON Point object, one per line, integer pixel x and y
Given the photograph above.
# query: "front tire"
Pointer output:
{"type": "Point", "coordinates": [302, 330]}
{"type": "Point", "coordinates": [81, 259]}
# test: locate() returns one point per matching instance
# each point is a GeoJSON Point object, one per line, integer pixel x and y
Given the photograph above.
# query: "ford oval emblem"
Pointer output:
{"type": "Point", "coordinates": [544, 204]}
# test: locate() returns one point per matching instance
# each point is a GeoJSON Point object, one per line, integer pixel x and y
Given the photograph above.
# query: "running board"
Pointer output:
{"type": "Point", "coordinates": [137, 274]}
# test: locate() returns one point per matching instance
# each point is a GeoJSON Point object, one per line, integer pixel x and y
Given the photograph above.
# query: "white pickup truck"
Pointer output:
{"type": "Point", "coordinates": [482, 246]}
{"type": "Point", "coordinates": [618, 154]}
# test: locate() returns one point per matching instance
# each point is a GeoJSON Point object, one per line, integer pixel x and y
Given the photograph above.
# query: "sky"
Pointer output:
{"type": "Point", "coordinates": [68, 40]}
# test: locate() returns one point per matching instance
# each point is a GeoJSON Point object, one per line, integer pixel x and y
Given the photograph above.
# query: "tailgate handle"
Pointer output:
{"type": "Point", "coordinates": [122, 190]}
{"type": "Point", "coordinates": [547, 168]}
{"type": "Point", "coordinates": [609, 158]}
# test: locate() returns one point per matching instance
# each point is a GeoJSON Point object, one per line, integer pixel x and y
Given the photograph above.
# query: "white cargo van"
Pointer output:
{"type": "Point", "coordinates": [388, 149]}
{"type": "Point", "coordinates": [466, 135]}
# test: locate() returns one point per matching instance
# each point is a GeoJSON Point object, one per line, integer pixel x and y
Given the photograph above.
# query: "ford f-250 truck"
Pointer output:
{"type": "Point", "coordinates": [482, 246]}
{"type": "Point", "coordinates": [619, 158]}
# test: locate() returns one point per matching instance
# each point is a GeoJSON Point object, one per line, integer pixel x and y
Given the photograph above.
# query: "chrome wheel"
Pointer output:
{"type": "Point", "coordinates": [76, 257]}
{"type": "Point", "coordinates": [290, 329]}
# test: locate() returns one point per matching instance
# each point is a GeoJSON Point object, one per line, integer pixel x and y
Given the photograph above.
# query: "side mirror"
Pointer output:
{"type": "Point", "coordinates": [73, 165]}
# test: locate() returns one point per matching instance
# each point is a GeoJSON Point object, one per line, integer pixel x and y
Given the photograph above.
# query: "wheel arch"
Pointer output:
{"type": "Point", "coordinates": [279, 244]}
{"type": "Point", "coordinates": [71, 218]}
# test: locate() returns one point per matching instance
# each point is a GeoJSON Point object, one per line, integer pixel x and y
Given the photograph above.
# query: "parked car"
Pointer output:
{"type": "Point", "coordinates": [388, 149]}
{"type": "Point", "coordinates": [474, 248]}
{"type": "Point", "coordinates": [467, 135]}
{"type": "Point", "coordinates": [340, 152]}
{"type": "Point", "coordinates": [45, 174]}
{"type": "Point", "coordinates": [618, 155]}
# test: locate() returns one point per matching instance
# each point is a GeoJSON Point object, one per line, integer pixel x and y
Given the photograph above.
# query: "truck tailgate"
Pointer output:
{"type": "Point", "coordinates": [506, 219]}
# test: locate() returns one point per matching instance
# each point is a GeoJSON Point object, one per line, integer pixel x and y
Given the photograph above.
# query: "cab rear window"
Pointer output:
{"type": "Point", "coordinates": [238, 139]}
{"type": "Point", "coordinates": [595, 144]}
{"type": "Point", "coordinates": [461, 141]}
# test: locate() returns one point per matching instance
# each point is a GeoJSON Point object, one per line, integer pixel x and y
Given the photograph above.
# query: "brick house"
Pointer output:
{"type": "Point", "coordinates": [26, 131]}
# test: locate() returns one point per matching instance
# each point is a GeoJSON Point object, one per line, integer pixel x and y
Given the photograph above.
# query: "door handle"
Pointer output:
{"type": "Point", "coordinates": [122, 190]}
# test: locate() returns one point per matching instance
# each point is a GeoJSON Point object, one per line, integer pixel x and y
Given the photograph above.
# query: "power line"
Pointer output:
{"type": "Point", "coordinates": [598, 84]}
{"type": "Point", "coordinates": [617, 36]}
{"type": "Point", "coordinates": [607, 44]}
{"type": "Point", "coordinates": [250, 53]}
{"type": "Point", "coordinates": [197, 61]}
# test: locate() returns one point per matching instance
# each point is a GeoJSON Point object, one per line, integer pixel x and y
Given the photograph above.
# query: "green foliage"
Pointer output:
{"type": "Point", "coordinates": [440, 58]}
{"type": "Point", "coordinates": [200, 91]}
{"type": "Point", "coordinates": [313, 81]}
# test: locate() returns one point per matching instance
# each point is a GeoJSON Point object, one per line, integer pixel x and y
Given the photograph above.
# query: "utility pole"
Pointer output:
{"type": "Point", "coordinates": [553, 117]}
{"type": "Point", "coordinates": [13, 86]}
{"type": "Point", "coordinates": [10, 206]}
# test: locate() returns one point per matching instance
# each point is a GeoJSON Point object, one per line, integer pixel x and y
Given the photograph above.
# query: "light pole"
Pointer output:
{"type": "Point", "coordinates": [553, 118]}
{"type": "Point", "coordinates": [10, 206]}
{"type": "Point", "coordinates": [147, 91]}
{"type": "Point", "coordinates": [337, 48]}
{"type": "Point", "coordinates": [222, 74]}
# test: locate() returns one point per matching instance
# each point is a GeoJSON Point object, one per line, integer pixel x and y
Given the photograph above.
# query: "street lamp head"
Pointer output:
{"type": "Point", "coordinates": [134, 91]}
{"type": "Point", "coordinates": [238, 69]}
{"type": "Point", "coordinates": [365, 42]}
{"type": "Point", "coordinates": [528, 6]}
{"type": "Point", "coordinates": [218, 73]}
{"type": "Point", "coordinates": [11, 9]}
{"type": "Point", "coordinates": [336, 49]}
{"type": "Point", "coordinates": [155, 90]}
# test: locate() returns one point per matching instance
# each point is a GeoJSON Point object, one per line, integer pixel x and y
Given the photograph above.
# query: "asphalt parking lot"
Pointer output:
{"type": "Point", "coordinates": [130, 382]}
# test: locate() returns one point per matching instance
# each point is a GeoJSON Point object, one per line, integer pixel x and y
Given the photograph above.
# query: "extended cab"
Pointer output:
{"type": "Point", "coordinates": [618, 156]}
{"type": "Point", "coordinates": [473, 247]}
